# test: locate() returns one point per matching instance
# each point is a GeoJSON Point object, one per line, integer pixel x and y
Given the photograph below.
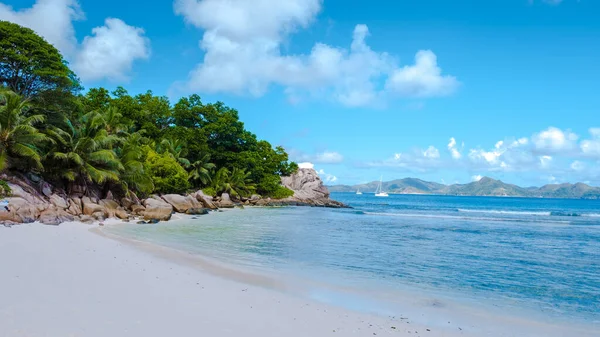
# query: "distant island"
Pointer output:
{"type": "Point", "coordinates": [484, 187]}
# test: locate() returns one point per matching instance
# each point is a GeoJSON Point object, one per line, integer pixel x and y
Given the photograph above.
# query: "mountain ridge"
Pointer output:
{"type": "Point", "coordinates": [486, 186]}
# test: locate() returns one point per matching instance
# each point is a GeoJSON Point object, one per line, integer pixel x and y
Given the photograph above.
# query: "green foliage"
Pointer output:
{"type": "Point", "coordinates": [175, 147]}
{"type": "Point", "coordinates": [209, 191]}
{"type": "Point", "coordinates": [281, 193]}
{"type": "Point", "coordinates": [19, 138]}
{"type": "Point", "coordinates": [235, 182]}
{"type": "Point", "coordinates": [136, 173]}
{"type": "Point", "coordinates": [85, 153]}
{"type": "Point", "coordinates": [29, 65]}
{"type": "Point", "coordinates": [201, 170]}
{"type": "Point", "coordinates": [167, 174]}
{"type": "Point", "coordinates": [110, 139]}
{"type": "Point", "coordinates": [5, 190]}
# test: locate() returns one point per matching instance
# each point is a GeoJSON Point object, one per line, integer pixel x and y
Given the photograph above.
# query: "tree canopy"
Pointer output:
{"type": "Point", "coordinates": [29, 65]}
{"type": "Point", "coordinates": [116, 141]}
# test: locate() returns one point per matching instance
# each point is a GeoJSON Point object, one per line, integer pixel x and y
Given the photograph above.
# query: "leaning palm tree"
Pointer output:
{"type": "Point", "coordinates": [235, 182]}
{"type": "Point", "coordinates": [176, 148]}
{"type": "Point", "coordinates": [86, 152]}
{"type": "Point", "coordinates": [19, 138]}
{"type": "Point", "coordinates": [201, 170]}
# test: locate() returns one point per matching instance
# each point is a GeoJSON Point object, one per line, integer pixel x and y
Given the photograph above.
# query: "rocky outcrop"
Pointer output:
{"type": "Point", "coordinates": [158, 209]}
{"type": "Point", "coordinates": [205, 200]}
{"type": "Point", "coordinates": [225, 201]}
{"type": "Point", "coordinates": [306, 184]}
{"type": "Point", "coordinates": [309, 190]}
{"type": "Point", "coordinates": [36, 200]}
{"type": "Point", "coordinates": [181, 203]}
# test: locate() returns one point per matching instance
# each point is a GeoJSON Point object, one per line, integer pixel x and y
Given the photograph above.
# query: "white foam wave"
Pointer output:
{"type": "Point", "coordinates": [492, 211]}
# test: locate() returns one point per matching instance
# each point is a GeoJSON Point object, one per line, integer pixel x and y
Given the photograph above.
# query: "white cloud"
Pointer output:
{"type": "Point", "coordinates": [453, 150]}
{"type": "Point", "coordinates": [476, 177]}
{"type": "Point", "coordinates": [554, 140]}
{"type": "Point", "coordinates": [424, 79]}
{"type": "Point", "coordinates": [326, 157]}
{"type": "Point", "coordinates": [549, 153]}
{"type": "Point", "coordinates": [431, 152]}
{"type": "Point", "coordinates": [591, 147]}
{"type": "Point", "coordinates": [491, 158]}
{"type": "Point", "coordinates": [328, 178]}
{"type": "Point", "coordinates": [109, 53]}
{"type": "Point", "coordinates": [306, 165]}
{"type": "Point", "coordinates": [243, 55]}
{"type": "Point", "coordinates": [415, 160]}
{"type": "Point", "coordinates": [577, 166]}
{"type": "Point", "coordinates": [52, 19]}
{"type": "Point", "coordinates": [545, 161]}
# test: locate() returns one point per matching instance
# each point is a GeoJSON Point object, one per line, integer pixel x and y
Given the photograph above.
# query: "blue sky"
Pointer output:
{"type": "Point", "coordinates": [447, 91]}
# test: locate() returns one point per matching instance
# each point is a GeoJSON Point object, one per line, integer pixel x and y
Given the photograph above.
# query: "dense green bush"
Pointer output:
{"type": "Point", "coordinates": [282, 193]}
{"type": "Point", "coordinates": [5, 190]}
{"type": "Point", "coordinates": [168, 175]}
{"type": "Point", "coordinates": [209, 191]}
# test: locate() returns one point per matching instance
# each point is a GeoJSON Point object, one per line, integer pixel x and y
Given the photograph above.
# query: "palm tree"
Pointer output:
{"type": "Point", "coordinates": [201, 170]}
{"type": "Point", "coordinates": [176, 148]}
{"type": "Point", "coordinates": [235, 182]}
{"type": "Point", "coordinates": [19, 138]}
{"type": "Point", "coordinates": [114, 121]}
{"type": "Point", "coordinates": [135, 174]}
{"type": "Point", "coordinates": [86, 152]}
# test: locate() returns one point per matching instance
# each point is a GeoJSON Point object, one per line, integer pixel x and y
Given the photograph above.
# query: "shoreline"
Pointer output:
{"type": "Point", "coordinates": [79, 280]}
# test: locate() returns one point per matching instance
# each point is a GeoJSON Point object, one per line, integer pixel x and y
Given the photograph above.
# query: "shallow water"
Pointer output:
{"type": "Point", "coordinates": [534, 257]}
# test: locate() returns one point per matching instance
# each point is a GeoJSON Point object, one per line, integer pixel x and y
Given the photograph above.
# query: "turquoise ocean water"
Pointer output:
{"type": "Point", "coordinates": [539, 257]}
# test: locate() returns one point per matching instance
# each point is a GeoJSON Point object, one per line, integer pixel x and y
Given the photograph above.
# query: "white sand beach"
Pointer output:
{"type": "Point", "coordinates": [70, 281]}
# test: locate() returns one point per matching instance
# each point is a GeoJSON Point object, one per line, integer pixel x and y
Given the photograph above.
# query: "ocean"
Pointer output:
{"type": "Point", "coordinates": [534, 258]}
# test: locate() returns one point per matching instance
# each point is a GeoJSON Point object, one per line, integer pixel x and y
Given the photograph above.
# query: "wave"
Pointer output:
{"type": "Point", "coordinates": [492, 211]}
{"type": "Point", "coordinates": [531, 213]}
{"type": "Point", "coordinates": [466, 217]}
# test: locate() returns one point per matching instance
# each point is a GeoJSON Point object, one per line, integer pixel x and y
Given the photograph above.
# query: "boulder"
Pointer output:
{"type": "Point", "coordinates": [19, 192]}
{"type": "Point", "coordinates": [137, 209]}
{"type": "Point", "coordinates": [205, 200]}
{"type": "Point", "coordinates": [309, 190]}
{"type": "Point", "coordinates": [306, 185]}
{"type": "Point", "coordinates": [90, 207]}
{"type": "Point", "coordinates": [100, 215]}
{"type": "Point", "coordinates": [75, 207]}
{"type": "Point", "coordinates": [121, 214]}
{"type": "Point", "coordinates": [110, 207]}
{"type": "Point", "coordinates": [127, 203]}
{"type": "Point", "coordinates": [255, 197]}
{"type": "Point", "coordinates": [46, 189]}
{"type": "Point", "coordinates": [181, 203]}
{"type": "Point", "coordinates": [197, 211]}
{"type": "Point", "coordinates": [157, 209]}
{"type": "Point", "coordinates": [225, 201]}
{"type": "Point", "coordinates": [55, 216]}
{"type": "Point", "coordinates": [58, 201]}
{"type": "Point", "coordinates": [20, 211]}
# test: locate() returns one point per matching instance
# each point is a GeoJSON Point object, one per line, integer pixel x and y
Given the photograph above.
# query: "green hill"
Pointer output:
{"type": "Point", "coordinates": [484, 187]}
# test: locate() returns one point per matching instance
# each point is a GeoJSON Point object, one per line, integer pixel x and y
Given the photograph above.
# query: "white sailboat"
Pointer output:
{"type": "Point", "coordinates": [358, 191]}
{"type": "Point", "coordinates": [379, 192]}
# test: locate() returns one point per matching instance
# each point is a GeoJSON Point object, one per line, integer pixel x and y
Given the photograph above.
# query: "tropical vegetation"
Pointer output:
{"type": "Point", "coordinates": [118, 142]}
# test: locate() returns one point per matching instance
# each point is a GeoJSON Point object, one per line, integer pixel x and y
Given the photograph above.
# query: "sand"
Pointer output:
{"type": "Point", "coordinates": [71, 281]}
